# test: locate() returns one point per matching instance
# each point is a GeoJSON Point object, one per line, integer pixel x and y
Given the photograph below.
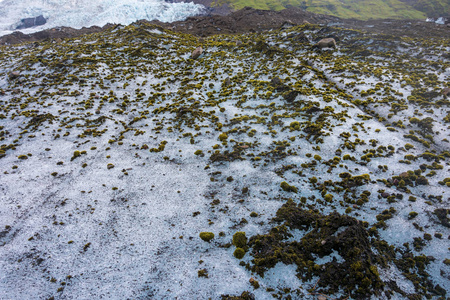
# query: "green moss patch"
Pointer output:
{"type": "Point", "coordinates": [355, 252]}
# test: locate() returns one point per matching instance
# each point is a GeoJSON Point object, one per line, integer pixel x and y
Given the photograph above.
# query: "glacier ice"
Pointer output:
{"type": "Point", "coordinates": [85, 13]}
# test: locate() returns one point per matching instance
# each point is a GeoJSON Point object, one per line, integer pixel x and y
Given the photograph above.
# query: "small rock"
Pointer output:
{"type": "Point", "coordinates": [290, 96]}
{"type": "Point", "coordinates": [14, 75]}
{"type": "Point", "coordinates": [196, 53]}
{"type": "Point", "coordinates": [276, 81]}
{"type": "Point", "coordinates": [287, 24]}
{"type": "Point", "coordinates": [97, 112]}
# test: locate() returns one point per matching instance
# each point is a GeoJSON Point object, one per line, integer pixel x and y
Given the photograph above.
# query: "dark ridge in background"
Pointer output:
{"type": "Point", "coordinates": [254, 20]}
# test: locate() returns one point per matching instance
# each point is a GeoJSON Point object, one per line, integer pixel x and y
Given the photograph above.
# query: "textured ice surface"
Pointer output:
{"type": "Point", "coordinates": [84, 13]}
{"type": "Point", "coordinates": [136, 235]}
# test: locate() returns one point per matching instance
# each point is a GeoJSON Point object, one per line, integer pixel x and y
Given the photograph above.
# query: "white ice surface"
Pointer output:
{"type": "Point", "coordinates": [85, 13]}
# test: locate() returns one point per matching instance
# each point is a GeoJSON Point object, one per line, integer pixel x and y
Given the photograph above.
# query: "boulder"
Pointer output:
{"type": "Point", "coordinates": [446, 92]}
{"type": "Point", "coordinates": [326, 43]}
{"type": "Point", "coordinates": [197, 52]}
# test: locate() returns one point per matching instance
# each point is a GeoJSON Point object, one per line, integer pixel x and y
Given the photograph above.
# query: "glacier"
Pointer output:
{"type": "Point", "coordinates": [85, 13]}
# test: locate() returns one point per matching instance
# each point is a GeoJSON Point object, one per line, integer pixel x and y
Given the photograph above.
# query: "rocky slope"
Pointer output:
{"type": "Point", "coordinates": [262, 169]}
{"type": "Point", "coordinates": [254, 20]}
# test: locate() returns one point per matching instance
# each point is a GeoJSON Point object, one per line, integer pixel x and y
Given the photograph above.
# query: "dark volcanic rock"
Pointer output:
{"type": "Point", "coordinates": [32, 22]}
{"type": "Point", "coordinates": [18, 37]}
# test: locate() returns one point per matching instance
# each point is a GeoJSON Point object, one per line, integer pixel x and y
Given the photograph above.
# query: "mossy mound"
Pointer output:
{"type": "Point", "coordinates": [239, 253]}
{"type": "Point", "coordinates": [206, 236]}
{"type": "Point", "coordinates": [288, 188]}
{"type": "Point", "coordinates": [240, 239]}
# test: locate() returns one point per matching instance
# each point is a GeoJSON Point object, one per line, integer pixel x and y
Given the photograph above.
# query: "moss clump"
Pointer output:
{"type": "Point", "coordinates": [443, 215]}
{"type": "Point", "coordinates": [294, 125]}
{"type": "Point", "coordinates": [202, 273]}
{"type": "Point", "coordinates": [22, 157]}
{"type": "Point", "coordinates": [223, 136]}
{"type": "Point", "coordinates": [206, 236]}
{"type": "Point", "coordinates": [421, 180]}
{"type": "Point", "coordinates": [254, 283]}
{"type": "Point", "coordinates": [412, 215]}
{"type": "Point", "coordinates": [75, 155]}
{"type": "Point", "coordinates": [240, 239]}
{"type": "Point", "coordinates": [357, 272]}
{"type": "Point", "coordinates": [239, 253]}
{"type": "Point", "coordinates": [328, 197]}
{"type": "Point", "coordinates": [288, 188]}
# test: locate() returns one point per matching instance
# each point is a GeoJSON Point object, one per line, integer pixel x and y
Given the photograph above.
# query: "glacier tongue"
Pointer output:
{"type": "Point", "coordinates": [85, 13]}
